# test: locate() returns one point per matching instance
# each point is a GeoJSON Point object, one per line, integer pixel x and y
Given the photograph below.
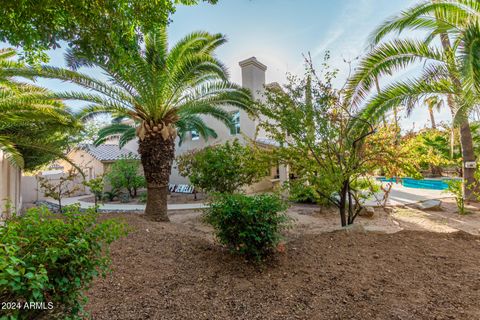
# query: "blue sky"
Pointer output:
{"type": "Point", "coordinates": [278, 32]}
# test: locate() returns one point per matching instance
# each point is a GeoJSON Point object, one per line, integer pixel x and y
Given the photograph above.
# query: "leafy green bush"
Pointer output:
{"type": "Point", "coordinates": [301, 192]}
{"type": "Point", "coordinates": [248, 225]}
{"type": "Point", "coordinates": [53, 259]}
{"type": "Point", "coordinates": [96, 186]}
{"type": "Point", "coordinates": [224, 168]}
{"type": "Point", "coordinates": [125, 174]}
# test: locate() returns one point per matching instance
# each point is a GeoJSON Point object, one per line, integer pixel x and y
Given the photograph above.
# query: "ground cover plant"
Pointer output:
{"type": "Point", "coordinates": [53, 259]}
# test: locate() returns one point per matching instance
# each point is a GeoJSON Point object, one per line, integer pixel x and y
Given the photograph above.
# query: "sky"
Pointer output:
{"type": "Point", "coordinates": [279, 32]}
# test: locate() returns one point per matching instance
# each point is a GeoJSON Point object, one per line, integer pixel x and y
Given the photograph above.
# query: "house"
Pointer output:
{"type": "Point", "coordinates": [96, 160]}
{"type": "Point", "coordinates": [10, 186]}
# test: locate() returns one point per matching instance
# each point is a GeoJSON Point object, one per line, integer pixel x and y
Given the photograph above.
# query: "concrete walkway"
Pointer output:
{"type": "Point", "coordinates": [125, 206]}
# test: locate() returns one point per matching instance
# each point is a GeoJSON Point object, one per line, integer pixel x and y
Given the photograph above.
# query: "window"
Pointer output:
{"type": "Point", "coordinates": [236, 123]}
{"type": "Point", "coordinates": [195, 135]}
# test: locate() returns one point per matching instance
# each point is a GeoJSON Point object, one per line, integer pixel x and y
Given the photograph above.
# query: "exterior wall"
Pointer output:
{"type": "Point", "coordinates": [30, 191]}
{"type": "Point", "coordinates": [91, 167]}
{"type": "Point", "coordinates": [10, 183]}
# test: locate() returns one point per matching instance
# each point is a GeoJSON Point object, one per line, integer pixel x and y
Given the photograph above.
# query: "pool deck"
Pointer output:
{"type": "Point", "coordinates": [401, 195]}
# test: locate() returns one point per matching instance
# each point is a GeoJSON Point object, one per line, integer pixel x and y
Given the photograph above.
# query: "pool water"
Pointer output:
{"type": "Point", "coordinates": [431, 184]}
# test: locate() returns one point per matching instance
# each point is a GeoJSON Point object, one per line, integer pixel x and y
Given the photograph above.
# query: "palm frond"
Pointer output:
{"type": "Point", "coordinates": [386, 59]}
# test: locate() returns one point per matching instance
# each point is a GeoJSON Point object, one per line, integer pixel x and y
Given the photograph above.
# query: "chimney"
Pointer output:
{"type": "Point", "coordinates": [253, 76]}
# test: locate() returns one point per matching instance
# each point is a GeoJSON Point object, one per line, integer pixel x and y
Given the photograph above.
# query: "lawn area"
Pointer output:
{"type": "Point", "coordinates": [176, 271]}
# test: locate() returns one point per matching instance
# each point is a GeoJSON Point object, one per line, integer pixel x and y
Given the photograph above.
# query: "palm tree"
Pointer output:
{"type": "Point", "coordinates": [444, 69]}
{"type": "Point", "coordinates": [162, 90]}
{"type": "Point", "coordinates": [125, 129]}
{"type": "Point", "coordinates": [34, 127]}
{"type": "Point", "coordinates": [433, 103]}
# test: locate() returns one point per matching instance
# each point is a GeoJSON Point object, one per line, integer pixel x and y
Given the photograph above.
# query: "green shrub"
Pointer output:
{"type": "Point", "coordinates": [125, 174]}
{"type": "Point", "coordinates": [53, 259]}
{"type": "Point", "coordinates": [96, 186]}
{"type": "Point", "coordinates": [301, 192]}
{"type": "Point", "coordinates": [224, 168]}
{"type": "Point", "coordinates": [248, 225]}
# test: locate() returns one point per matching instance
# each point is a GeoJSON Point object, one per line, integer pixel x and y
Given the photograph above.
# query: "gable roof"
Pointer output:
{"type": "Point", "coordinates": [109, 152]}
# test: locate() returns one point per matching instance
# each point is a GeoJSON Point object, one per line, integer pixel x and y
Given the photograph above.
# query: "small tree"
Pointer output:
{"type": "Point", "coordinates": [64, 187]}
{"type": "Point", "coordinates": [320, 137]}
{"type": "Point", "coordinates": [224, 168]}
{"type": "Point", "coordinates": [96, 186]}
{"type": "Point", "coordinates": [124, 174]}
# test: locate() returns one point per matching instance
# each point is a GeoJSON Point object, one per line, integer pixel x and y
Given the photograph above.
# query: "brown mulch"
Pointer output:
{"type": "Point", "coordinates": [171, 271]}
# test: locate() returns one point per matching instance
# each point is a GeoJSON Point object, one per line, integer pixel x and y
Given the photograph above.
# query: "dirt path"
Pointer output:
{"type": "Point", "coordinates": [176, 271]}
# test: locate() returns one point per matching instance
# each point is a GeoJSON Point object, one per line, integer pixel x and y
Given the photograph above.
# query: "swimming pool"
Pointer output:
{"type": "Point", "coordinates": [432, 184]}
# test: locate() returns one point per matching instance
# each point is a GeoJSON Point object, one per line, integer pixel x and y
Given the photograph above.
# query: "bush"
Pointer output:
{"type": "Point", "coordinates": [96, 186]}
{"type": "Point", "coordinates": [301, 192]}
{"type": "Point", "coordinates": [224, 168]}
{"type": "Point", "coordinates": [125, 174]}
{"type": "Point", "coordinates": [248, 225]}
{"type": "Point", "coordinates": [53, 259]}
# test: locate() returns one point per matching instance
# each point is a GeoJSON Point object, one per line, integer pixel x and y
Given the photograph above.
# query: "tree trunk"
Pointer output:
{"type": "Point", "coordinates": [432, 117]}
{"type": "Point", "coordinates": [452, 141]}
{"type": "Point", "coordinates": [343, 204]}
{"type": "Point", "coordinates": [467, 155]}
{"type": "Point", "coordinates": [466, 140]}
{"type": "Point", "coordinates": [157, 156]}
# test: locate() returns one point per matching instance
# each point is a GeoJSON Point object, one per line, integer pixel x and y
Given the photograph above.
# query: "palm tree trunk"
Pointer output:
{"type": "Point", "coordinates": [467, 155]}
{"type": "Point", "coordinates": [452, 141]}
{"type": "Point", "coordinates": [466, 141]}
{"type": "Point", "coordinates": [432, 117]}
{"type": "Point", "coordinates": [157, 157]}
